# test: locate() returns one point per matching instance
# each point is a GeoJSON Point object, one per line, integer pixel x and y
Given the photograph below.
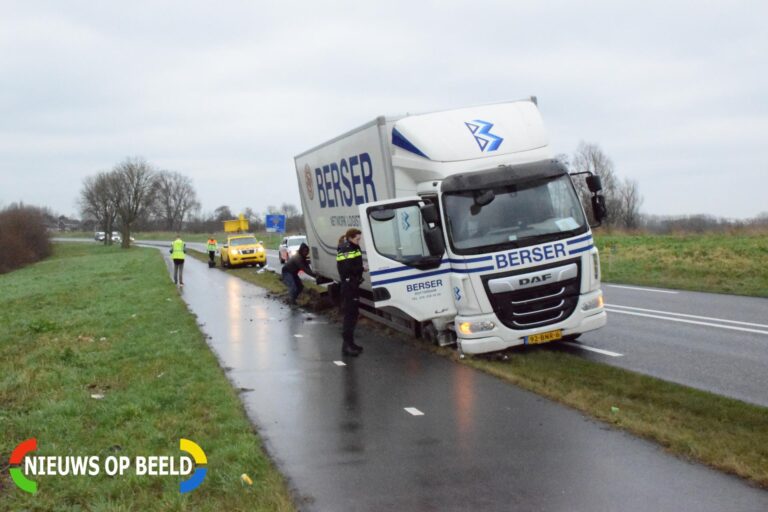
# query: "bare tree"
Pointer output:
{"type": "Point", "coordinates": [289, 210]}
{"type": "Point", "coordinates": [134, 189]}
{"type": "Point", "coordinates": [589, 157]}
{"type": "Point", "coordinates": [97, 202]}
{"type": "Point", "coordinates": [254, 219]}
{"type": "Point", "coordinates": [175, 199]}
{"type": "Point", "coordinates": [631, 200]}
{"type": "Point", "coordinates": [223, 213]}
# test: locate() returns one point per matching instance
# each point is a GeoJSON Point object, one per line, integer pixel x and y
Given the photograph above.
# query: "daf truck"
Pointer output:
{"type": "Point", "coordinates": [470, 228]}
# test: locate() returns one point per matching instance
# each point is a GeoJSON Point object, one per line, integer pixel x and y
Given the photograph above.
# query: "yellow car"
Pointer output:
{"type": "Point", "coordinates": [243, 250]}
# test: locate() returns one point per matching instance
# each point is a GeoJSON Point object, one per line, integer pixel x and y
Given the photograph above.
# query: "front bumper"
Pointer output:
{"type": "Point", "coordinates": [501, 337]}
{"type": "Point", "coordinates": [248, 259]}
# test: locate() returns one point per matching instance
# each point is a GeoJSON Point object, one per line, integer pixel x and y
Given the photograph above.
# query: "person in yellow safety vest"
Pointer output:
{"type": "Point", "coordinates": [211, 251]}
{"type": "Point", "coordinates": [178, 250]}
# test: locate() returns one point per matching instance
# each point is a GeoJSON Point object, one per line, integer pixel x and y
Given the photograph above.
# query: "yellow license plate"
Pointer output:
{"type": "Point", "coordinates": [544, 337]}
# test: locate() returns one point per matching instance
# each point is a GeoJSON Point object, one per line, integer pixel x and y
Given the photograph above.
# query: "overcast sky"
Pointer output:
{"type": "Point", "coordinates": [227, 92]}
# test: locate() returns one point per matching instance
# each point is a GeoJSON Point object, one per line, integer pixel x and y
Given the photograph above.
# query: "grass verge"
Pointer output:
{"type": "Point", "coordinates": [721, 263]}
{"type": "Point", "coordinates": [723, 433]}
{"type": "Point", "coordinates": [99, 356]}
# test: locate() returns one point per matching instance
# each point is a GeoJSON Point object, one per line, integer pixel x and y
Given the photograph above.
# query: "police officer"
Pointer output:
{"type": "Point", "coordinates": [212, 245]}
{"type": "Point", "coordinates": [178, 250]}
{"type": "Point", "coordinates": [349, 262]}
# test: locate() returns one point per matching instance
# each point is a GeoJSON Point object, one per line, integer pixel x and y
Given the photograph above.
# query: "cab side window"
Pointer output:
{"type": "Point", "coordinates": [400, 238]}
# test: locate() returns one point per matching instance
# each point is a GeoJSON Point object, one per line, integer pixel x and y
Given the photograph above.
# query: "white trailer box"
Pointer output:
{"type": "Point", "coordinates": [469, 226]}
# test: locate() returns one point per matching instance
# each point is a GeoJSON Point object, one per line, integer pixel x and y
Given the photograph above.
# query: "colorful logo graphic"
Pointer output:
{"type": "Point", "coordinates": [308, 182]}
{"type": "Point", "coordinates": [23, 465]}
{"type": "Point", "coordinates": [17, 457]}
{"type": "Point", "coordinates": [483, 136]}
{"type": "Point", "coordinates": [198, 455]}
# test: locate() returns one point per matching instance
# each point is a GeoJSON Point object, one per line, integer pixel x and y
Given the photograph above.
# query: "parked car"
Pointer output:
{"type": "Point", "coordinates": [118, 238]}
{"type": "Point", "coordinates": [290, 246]}
{"type": "Point", "coordinates": [99, 236]}
{"type": "Point", "coordinates": [243, 249]}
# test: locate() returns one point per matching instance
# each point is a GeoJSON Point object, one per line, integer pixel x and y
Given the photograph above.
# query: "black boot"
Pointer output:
{"type": "Point", "coordinates": [349, 351]}
{"type": "Point", "coordinates": [355, 346]}
{"type": "Point", "coordinates": [348, 348]}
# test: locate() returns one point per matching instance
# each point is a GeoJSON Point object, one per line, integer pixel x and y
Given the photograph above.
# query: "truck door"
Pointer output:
{"type": "Point", "coordinates": [406, 257]}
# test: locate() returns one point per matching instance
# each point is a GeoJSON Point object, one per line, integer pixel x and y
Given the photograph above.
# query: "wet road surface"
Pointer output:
{"type": "Point", "coordinates": [338, 427]}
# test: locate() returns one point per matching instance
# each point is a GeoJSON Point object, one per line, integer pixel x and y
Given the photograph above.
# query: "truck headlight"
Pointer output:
{"type": "Point", "coordinates": [473, 327]}
{"type": "Point", "coordinates": [259, 249]}
{"type": "Point", "coordinates": [595, 303]}
{"type": "Point", "coordinates": [233, 251]}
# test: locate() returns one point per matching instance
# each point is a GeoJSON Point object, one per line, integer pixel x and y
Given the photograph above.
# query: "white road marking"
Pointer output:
{"type": "Point", "coordinates": [593, 349]}
{"type": "Point", "coordinates": [641, 289]}
{"type": "Point", "coordinates": [414, 411]}
{"type": "Point", "coordinates": [708, 324]}
{"type": "Point", "coordinates": [688, 316]}
{"type": "Point", "coordinates": [340, 363]}
{"type": "Point", "coordinates": [298, 335]}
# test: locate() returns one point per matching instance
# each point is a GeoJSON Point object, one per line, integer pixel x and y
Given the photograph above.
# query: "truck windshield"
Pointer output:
{"type": "Point", "coordinates": [491, 220]}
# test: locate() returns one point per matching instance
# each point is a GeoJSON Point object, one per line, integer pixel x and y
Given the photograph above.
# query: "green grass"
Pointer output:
{"type": "Point", "coordinates": [96, 320]}
{"type": "Point", "coordinates": [735, 264]}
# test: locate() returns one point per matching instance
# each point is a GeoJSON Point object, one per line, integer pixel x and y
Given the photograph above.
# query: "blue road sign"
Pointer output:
{"type": "Point", "coordinates": [275, 223]}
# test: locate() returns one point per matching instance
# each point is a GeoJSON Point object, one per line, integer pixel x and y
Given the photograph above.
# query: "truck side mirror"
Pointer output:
{"type": "Point", "coordinates": [429, 213]}
{"type": "Point", "coordinates": [594, 184]}
{"type": "Point", "coordinates": [434, 240]}
{"type": "Point", "coordinates": [599, 210]}
{"type": "Point", "coordinates": [382, 215]}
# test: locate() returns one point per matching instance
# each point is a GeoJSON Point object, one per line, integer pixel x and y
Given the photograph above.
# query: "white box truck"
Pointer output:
{"type": "Point", "coordinates": [470, 228]}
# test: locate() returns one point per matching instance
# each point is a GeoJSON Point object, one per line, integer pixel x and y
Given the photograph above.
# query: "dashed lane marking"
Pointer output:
{"type": "Point", "coordinates": [641, 289]}
{"type": "Point", "coordinates": [593, 349]}
{"type": "Point", "coordinates": [414, 411]}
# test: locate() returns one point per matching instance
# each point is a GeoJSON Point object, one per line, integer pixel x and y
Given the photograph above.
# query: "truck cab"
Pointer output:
{"type": "Point", "coordinates": [502, 258]}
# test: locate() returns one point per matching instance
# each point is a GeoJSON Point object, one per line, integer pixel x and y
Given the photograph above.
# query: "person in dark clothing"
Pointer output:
{"type": "Point", "coordinates": [296, 263]}
{"type": "Point", "coordinates": [349, 262]}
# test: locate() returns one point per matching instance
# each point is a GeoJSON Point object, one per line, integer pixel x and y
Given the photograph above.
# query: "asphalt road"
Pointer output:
{"type": "Point", "coordinates": [714, 342]}
{"type": "Point", "coordinates": [402, 429]}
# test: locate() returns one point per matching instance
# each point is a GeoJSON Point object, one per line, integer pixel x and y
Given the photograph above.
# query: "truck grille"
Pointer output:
{"type": "Point", "coordinates": [538, 305]}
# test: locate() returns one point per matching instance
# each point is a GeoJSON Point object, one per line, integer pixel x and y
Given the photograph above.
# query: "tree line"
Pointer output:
{"type": "Point", "coordinates": [136, 196]}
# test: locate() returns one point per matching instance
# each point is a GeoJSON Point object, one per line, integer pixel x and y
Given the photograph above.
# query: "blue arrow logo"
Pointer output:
{"type": "Point", "coordinates": [406, 224]}
{"type": "Point", "coordinates": [483, 136]}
